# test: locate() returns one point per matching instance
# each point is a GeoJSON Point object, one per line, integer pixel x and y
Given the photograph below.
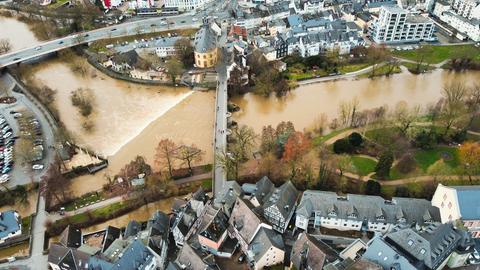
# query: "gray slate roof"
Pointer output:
{"type": "Point", "coordinates": [8, 223]}
{"type": "Point", "coordinates": [308, 251]}
{"type": "Point", "coordinates": [205, 39]}
{"type": "Point", "coordinates": [381, 253]}
{"type": "Point", "coordinates": [468, 201]}
{"type": "Point", "coordinates": [361, 207]}
{"type": "Point", "coordinates": [283, 198]}
{"type": "Point", "coordinates": [426, 248]}
{"type": "Point", "coordinates": [245, 219]}
{"type": "Point", "coordinates": [69, 258]}
{"type": "Point", "coordinates": [263, 241]}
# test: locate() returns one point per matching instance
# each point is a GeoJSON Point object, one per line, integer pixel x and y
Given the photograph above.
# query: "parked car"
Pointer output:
{"type": "Point", "coordinates": [37, 167]}
{"type": "Point", "coordinates": [7, 135]}
{"type": "Point", "coordinates": [4, 178]}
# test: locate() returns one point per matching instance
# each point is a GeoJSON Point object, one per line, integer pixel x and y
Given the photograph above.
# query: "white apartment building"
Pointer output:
{"type": "Point", "coordinates": [361, 212]}
{"type": "Point", "coordinates": [469, 9]}
{"type": "Point", "coordinates": [185, 5]}
{"type": "Point", "coordinates": [459, 203]}
{"type": "Point", "coordinates": [396, 25]}
{"type": "Point", "coordinates": [468, 27]}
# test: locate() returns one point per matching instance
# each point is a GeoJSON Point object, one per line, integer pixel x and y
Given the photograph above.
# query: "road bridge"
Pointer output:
{"type": "Point", "coordinates": [150, 25]}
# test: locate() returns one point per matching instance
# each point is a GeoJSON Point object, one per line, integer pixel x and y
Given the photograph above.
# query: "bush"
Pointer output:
{"type": "Point", "coordinates": [425, 139]}
{"type": "Point", "coordinates": [402, 192]}
{"type": "Point", "coordinates": [355, 139]}
{"type": "Point", "coordinates": [384, 165]}
{"type": "Point", "coordinates": [83, 99]}
{"type": "Point", "coordinates": [342, 146]}
{"type": "Point", "coordinates": [372, 188]}
{"type": "Point", "coordinates": [406, 164]}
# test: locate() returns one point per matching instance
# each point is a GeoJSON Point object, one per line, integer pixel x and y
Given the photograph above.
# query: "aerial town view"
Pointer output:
{"type": "Point", "coordinates": [239, 134]}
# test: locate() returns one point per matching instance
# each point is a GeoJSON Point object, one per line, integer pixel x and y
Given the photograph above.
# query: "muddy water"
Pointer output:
{"type": "Point", "coordinates": [17, 33]}
{"type": "Point", "coordinates": [129, 119]}
{"type": "Point", "coordinates": [303, 105]}
{"type": "Point", "coordinates": [141, 214]}
{"type": "Point", "coordinates": [121, 110]}
{"type": "Point", "coordinates": [18, 250]}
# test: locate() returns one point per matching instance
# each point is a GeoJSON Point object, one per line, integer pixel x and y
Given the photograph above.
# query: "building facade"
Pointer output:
{"type": "Point", "coordinates": [185, 5]}
{"type": "Point", "coordinates": [206, 52]}
{"type": "Point", "coordinates": [396, 25]}
{"type": "Point", "coordinates": [361, 212]}
{"type": "Point", "coordinates": [459, 203]}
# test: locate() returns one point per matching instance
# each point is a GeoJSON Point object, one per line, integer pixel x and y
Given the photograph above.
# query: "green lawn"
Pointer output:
{"type": "Point", "coordinates": [363, 166]}
{"type": "Point", "coordinates": [413, 67]}
{"type": "Point", "coordinates": [85, 200]}
{"type": "Point", "coordinates": [207, 184]}
{"type": "Point", "coordinates": [381, 71]}
{"type": "Point", "coordinates": [352, 67]}
{"type": "Point", "coordinates": [426, 158]}
{"type": "Point", "coordinates": [320, 139]}
{"type": "Point", "coordinates": [438, 53]}
{"type": "Point", "coordinates": [26, 223]}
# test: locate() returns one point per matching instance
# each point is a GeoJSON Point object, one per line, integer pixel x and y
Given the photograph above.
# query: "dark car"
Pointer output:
{"type": "Point", "coordinates": [114, 29]}
{"type": "Point", "coordinates": [87, 35]}
{"type": "Point", "coordinates": [61, 42]}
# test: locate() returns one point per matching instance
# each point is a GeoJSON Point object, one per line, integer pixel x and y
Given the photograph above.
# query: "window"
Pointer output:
{"type": "Point", "coordinates": [410, 242]}
{"type": "Point", "coordinates": [422, 251]}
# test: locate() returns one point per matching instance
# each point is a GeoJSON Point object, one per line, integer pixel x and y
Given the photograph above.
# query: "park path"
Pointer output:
{"type": "Point", "coordinates": [55, 216]}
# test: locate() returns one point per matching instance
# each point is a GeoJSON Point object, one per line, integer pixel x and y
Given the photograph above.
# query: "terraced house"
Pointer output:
{"type": "Point", "coordinates": [361, 212]}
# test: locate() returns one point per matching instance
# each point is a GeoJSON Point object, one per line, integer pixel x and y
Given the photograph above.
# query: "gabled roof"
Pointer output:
{"type": "Point", "coordinates": [134, 256]}
{"type": "Point", "coordinates": [205, 39]}
{"type": "Point", "coordinates": [244, 219]}
{"type": "Point", "coordinates": [398, 210]}
{"type": "Point", "coordinates": [71, 237]}
{"type": "Point", "coordinates": [189, 259]}
{"type": "Point", "coordinates": [68, 258]}
{"type": "Point", "coordinates": [263, 241]}
{"type": "Point", "coordinates": [308, 251]}
{"type": "Point", "coordinates": [429, 247]}
{"type": "Point", "coordinates": [132, 228]}
{"type": "Point", "coordinates": [262, 189]}
{"type": "Point", "coordinates": [283, 198]}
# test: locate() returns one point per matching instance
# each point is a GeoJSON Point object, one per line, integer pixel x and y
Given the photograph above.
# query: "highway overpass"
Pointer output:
{"type": "Point", "coordinates": [150, 25]}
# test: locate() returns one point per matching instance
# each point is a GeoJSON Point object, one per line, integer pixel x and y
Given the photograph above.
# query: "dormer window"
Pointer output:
{"type": "Point", "coordinates": [332, 213]}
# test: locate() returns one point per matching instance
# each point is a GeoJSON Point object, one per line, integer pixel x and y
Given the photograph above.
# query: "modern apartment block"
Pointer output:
{"type": "Point", "coordinates": [396, 25]}
{"type": "Point", "coordinates": [469, 9]}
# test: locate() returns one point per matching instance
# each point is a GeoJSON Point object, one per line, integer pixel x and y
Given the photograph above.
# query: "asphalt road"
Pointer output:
{"type": "Point", "coordinates": [138, 26]}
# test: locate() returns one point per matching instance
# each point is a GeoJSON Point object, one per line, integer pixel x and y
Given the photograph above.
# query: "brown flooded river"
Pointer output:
{"type": "Point", "coordinates": [129, 119]}
{"type": "Point", "coordinates": [304, 104]}
{"type": "Point", "coordinates": [141, 214]}
{"type": "Point", "coordinates": [17, 33]}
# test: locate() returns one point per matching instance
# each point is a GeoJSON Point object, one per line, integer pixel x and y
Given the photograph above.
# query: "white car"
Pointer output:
{"type": "Point", "coordinates": [37, 167]}
{"type": "Point", "coordinates": [7, 135]}
{"type": "Point", "coordinates": [4, 178]}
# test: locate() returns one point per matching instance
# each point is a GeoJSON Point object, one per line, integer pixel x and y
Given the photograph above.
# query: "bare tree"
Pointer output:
{"type": "Point", "coordinates": [243, 139]}
{"type": "Point", "coordinates": [188, 155]}
{"type": "Point", "coordinates": [56, 185]}
{"type": "Point", "coordinates": [165, 154]}
{"type": "Point", "coordinates": [454, 103]}
{"type": "Point", "coordinates": [228, 162]}
{"type": "Point", "coordinates": [404, 117]}
{"type": "Point", "coordinates": [5, 45]}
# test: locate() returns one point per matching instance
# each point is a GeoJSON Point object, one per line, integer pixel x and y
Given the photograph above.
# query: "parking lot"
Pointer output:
{"type": "Point", "coordinates": [24, 117]}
